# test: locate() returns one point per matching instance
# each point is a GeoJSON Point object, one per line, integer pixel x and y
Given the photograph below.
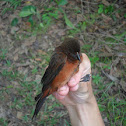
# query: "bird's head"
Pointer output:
{"type": "Point", "coordinates": [71, 47]}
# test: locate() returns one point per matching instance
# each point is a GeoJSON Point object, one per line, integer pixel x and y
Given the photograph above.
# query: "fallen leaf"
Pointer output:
{"type": "Point", "coordinates": [16, 50]}
{"type": "Point", "coordinates": [79, 18]}
{"type": "Point", "coordinates": [22, 65]}
{"type": "Point", "coordinates": [43, 62]}
{"type": "Point", "coordinates": [123, 61]}
{"type": "Point", "coordinates": [123, 84]}
{"type": "Point", "coordinates": [120, 54]}
{"type": "Point", "coordinates": [3, 33]}
{"type": "Point", "coordinates": [29, 79]}
{"type": "Point", "coordinates": [2, 112]}
{"type": "Point", "coordinates": [32, 66]}
{"type": "Point", "coordinates": [38, 59]}
{"type": "Point", "coordinates": [105, 2]}
{"type": "Point", "coordinates": [112, 77]}
{"type": "Point", "coordinates": [19, 115]}
{"type": "Point", "coordinates": [23, 71]}
{"type": "Point", "coordinates": [29, 41]}
{"type": "Point", "coordinates": [117, 15]}
{"type": "Point", "coordinates": [16, 57]}
{"type": "Point", "coordinates": [28, 24]}
{"type": "Point", "coordinates": [38, 78]}
{"type": "Point", "coordinates": [41, 52]}
{"type": "Point", "coordinates": [105, 120]}
{"type": "Point", "coordinates": [100, 64]}
{"type": "Point", "coordinates": [106, 18]}
{"type": "Point", "coordinates": [116, 61]}
{"type": "Point", "coordinates": [14, 29]}
{"type": "Point", "coordinates": [105, 54]}
{"type": "Point", "coordinates": [61, 32]}
{"type": "Point", "coordinates": [15, 83]}
{"type": "Point", "coordinates": [28, 2]}
{"type": "Point", "coordinates": [108, 49]}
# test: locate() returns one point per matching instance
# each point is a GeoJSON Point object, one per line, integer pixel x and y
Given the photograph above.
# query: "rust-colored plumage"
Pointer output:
{"type": "Point", "coordinates": [63, 65]}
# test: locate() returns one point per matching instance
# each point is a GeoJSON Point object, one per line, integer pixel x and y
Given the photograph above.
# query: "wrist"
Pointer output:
{"type": "Point", "coordinates": [85, 114]}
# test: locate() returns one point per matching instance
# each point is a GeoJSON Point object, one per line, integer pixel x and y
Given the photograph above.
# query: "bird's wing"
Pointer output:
{"type": "Point", "coordinates": [57, 62]}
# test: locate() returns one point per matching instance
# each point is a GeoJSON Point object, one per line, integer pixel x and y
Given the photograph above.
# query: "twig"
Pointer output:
{"type": "Point", "coordinates": [109, 76]}
{"type": "Point", "coordinates": [82, 7]}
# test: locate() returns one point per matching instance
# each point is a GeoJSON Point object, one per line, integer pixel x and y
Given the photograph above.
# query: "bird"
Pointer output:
{"type": "Point", "coordinates": [64, 63]}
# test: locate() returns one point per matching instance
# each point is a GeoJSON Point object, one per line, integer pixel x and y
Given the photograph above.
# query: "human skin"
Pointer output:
{"type": "Point", "coordinates": [79, 99]}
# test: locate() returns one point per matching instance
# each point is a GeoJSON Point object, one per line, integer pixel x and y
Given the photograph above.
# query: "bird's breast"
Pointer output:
{"type": "Point", "coordinates": [65, 74]}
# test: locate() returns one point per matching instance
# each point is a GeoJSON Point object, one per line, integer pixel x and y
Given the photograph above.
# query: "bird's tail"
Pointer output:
{"type": "Point", "coordinates": [40, 98]}
{"type": "Point", "coordinates": [38, 106]}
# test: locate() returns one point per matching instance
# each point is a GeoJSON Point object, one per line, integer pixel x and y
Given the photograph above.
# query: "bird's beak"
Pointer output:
{"type": "Point", "coordinates": [78, 56]}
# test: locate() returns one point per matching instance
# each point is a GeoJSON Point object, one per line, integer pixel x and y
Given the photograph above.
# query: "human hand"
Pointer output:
{"type": "Point", "coordinates": [76, 92]}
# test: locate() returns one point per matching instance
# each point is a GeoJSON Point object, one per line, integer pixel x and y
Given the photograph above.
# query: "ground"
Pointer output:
{"type": "Point", "coordinates": [26, 44]}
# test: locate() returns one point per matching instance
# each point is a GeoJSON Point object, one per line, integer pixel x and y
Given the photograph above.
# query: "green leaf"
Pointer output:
{"type": "Point", "coordinates": [84, 25]}
{"type": "Point", "coordinates": [29, 7]}
{"type": "Point", "coordinates": [62, 2]}
{"type": "Point", "coordinates": [41, 25]}
{"type": "Point", "coordinates": [31, 20]}
{"type": "Point", "coordinates": [33, 10]}
{"type": "Point", "coordinates": [38, 15]}
{"type": "Point", "coordinates": [14, 22]}
{"type": "Point", "coordinates": [27, 11]}
{"type": "Point", "coordinates": [10, 86]}
{"type": "Point", "coordinates": [68, 22]}
{"type": "Point", "coordinates": [100, 10]}
{"type": "Point", "coordinates": [106, 11]}
{"type": "Point", "coordinates": [124, 15]}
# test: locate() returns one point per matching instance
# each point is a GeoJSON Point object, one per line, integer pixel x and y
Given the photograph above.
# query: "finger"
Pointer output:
{"type": "Point", "coordinates": [75, 88]}
{"type": "Point", "coordinates": [63, 90]}
{"type": "Point", "coordinates": [57, 96]}
{"type": "Point", "coordinates": [74, 80]}
{"type": "Point", "coordinates": [85, 66]}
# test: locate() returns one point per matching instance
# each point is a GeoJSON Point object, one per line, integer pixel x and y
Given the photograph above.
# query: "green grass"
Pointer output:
{"type": "Point", "coordinates": [3, 53]}
{"type": "Point", "coordinates": [11, 5]}
{"type": "Point", "coordinates": [3, 122]}
{"type": "Point", "coordinates": [113, 106]}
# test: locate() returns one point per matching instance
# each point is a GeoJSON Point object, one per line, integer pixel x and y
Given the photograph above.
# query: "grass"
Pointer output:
{"type": "Point", "coordinates": [11, 5]}
{"type": "Point", "coordinates": [3, 122]}
{"type": "Point", "coordinates": [3, 53]}
{"type": "Point", "coordinates": [111, 105]}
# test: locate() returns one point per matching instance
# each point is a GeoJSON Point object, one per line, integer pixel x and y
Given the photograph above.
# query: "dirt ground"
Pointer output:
{"type": "Point", "coordinates": [24, 56]}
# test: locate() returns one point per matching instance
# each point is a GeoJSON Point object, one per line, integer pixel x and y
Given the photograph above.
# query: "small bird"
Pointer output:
{"type": "Point", "coordinates": [63, 64]}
